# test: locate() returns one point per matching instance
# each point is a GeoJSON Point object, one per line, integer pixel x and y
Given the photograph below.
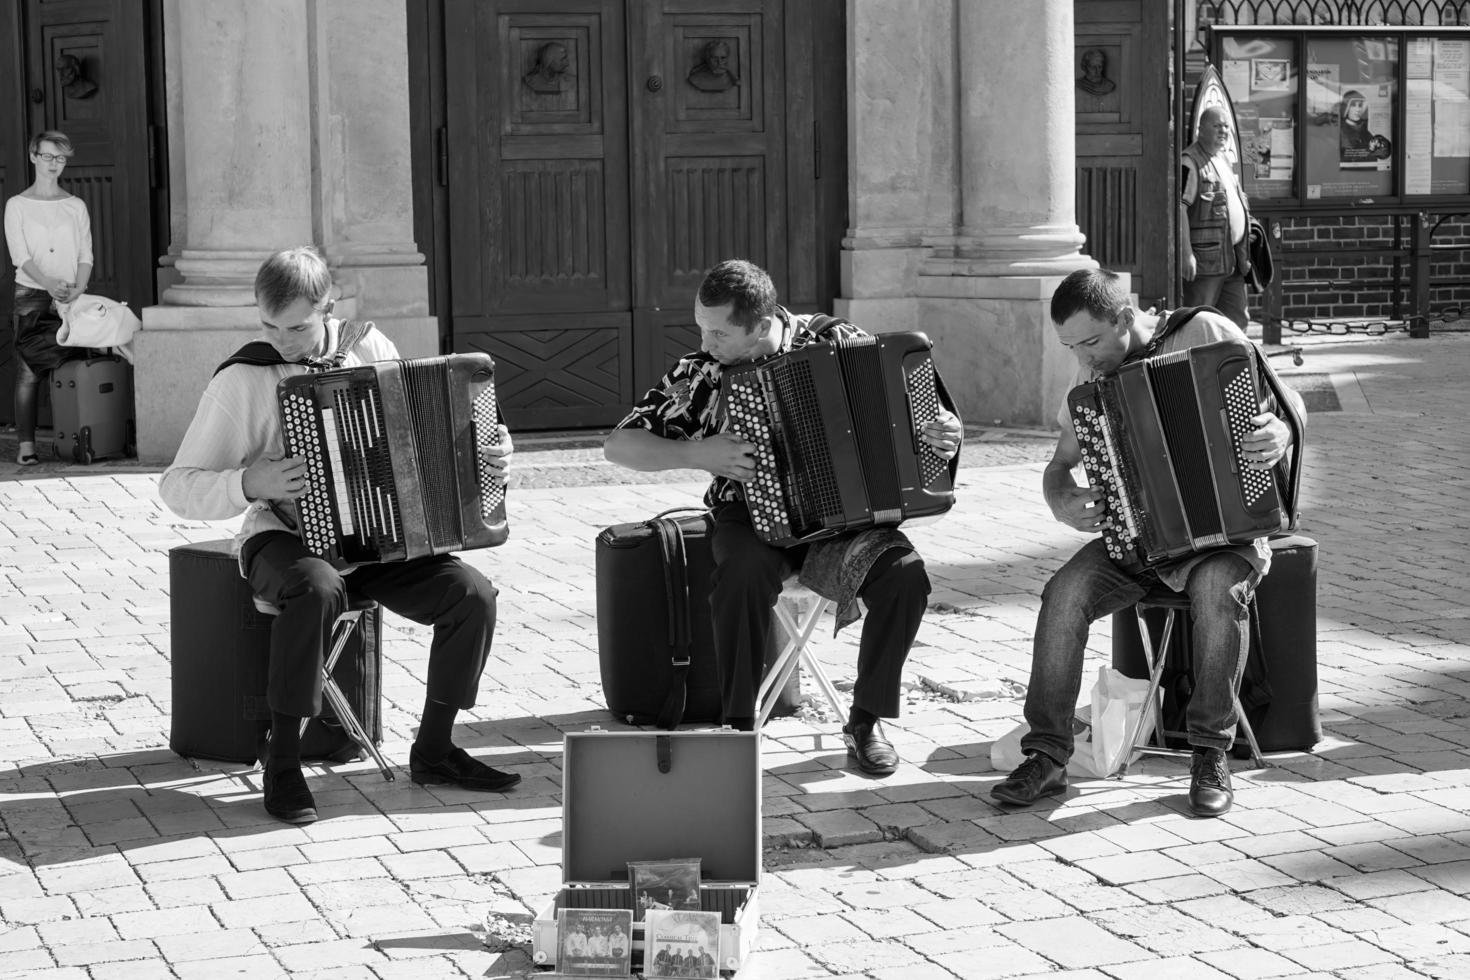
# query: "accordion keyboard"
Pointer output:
{"type": "Point", "coordinates": [304, 439]}
{"type": "Point", "coordinates": [1100, 460]}
{"type": "Point", "coordinates": [1240, 406]}
{"type": "Point", "coordinates": [484, 415]}
{"type": "Point", "coordinates": [924, 407]}
{"type": "Point", "coordinates": [746, 405]}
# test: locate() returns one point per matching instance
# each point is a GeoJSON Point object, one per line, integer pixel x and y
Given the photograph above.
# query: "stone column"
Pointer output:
{"type": "Point", "coordinates": [984, 299]}
{"type": "Point", "coordinates": [288, 124]}
{"type": "Point", "coordinates": [365, 200]}
{"type": "Point", "coordinates": [902, 197]}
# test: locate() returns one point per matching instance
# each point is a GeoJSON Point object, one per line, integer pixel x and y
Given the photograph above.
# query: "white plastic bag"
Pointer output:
{"type": "Point", "coordinates": [1117, 703]}
{"type": "Point", "coordinates": [1100, 728]}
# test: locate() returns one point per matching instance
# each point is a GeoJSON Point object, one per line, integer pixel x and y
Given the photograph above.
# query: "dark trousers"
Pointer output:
{"type": "Point", "coordinates": [440, 591]}
{"type": "Point", "coordinates": [747, 581]}
{"type": "Point", "coordinates": [35, 319]}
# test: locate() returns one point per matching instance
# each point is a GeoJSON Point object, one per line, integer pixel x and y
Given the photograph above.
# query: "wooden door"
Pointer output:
{"type": "Point", "coordinates": [601, 155]}
{"type": "Point", "coordinates": [103, 109]}
{"type": "Point", "coordinates": [538, 163]}
{"type": "Point", "coordinates": [1126, 164]}
{"type": "Point", "coordinates": [708, 157]}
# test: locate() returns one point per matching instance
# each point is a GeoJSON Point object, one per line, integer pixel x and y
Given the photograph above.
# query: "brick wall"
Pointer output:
{"type": "Point", "coordinates": [1323, 286]}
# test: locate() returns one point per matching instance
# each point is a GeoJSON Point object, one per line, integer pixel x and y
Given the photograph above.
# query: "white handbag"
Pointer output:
{"type": "Point", "coordinates": [97, 322]}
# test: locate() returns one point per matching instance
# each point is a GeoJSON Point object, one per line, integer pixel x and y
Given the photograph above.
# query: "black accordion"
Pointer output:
{"type": "Point", "coordinates": [393, 458]}
{"type": "Point", "coordinates": [836, 430]}
{"type": "Point", "coordinates": [1161, 442]}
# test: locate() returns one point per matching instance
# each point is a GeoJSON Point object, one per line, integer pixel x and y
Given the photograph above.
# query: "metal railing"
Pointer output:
{"type": "Point", "coordinates": [1412, 254]}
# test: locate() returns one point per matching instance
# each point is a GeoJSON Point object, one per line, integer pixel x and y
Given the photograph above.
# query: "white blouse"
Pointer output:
{"type": "Point", "coordinates": [54, 234]}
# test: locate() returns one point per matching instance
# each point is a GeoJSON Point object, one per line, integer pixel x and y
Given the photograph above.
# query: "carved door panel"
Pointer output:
{"type": "Point", "coordinates": [602, 154]}
{"type": "Point", "coordinates": [538, 169]}
{"type": "Point", "coordinates": [1125, 180]}
{"type": "Point", "coordinates": [708, 157]}
{"type": "Point", "coordinates": [86, 62]}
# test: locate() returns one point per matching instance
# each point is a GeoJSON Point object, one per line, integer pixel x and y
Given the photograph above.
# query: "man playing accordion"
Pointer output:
{"type": "Point", "coordinates": [232, 461]}
{"type": "Point", "coordinates": [678, 424]}
{"type": "Point", "coordinates": [1095, 320]}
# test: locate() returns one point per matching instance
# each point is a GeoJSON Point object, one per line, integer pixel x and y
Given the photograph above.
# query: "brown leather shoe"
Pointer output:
{"type": "Point", "coordinates": [1036, 778]}
{"type": "Point", "coordinates": [460, 769]}
{"type": "Point", "coordinates": [866, 743]}
{"type": "Point", "coordinates": [286, 795]}
{"type": "Point", "coordinates": [1209, 783]}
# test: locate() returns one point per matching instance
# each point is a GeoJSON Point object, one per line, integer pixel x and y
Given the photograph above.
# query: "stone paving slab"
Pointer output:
{"type": "Point", "coordinates": [120, 859]}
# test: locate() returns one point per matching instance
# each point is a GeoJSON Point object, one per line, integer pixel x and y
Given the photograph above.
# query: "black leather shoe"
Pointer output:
{"type": "Point", "coordinates": [459, 769]}
{"type": "Point", "coordinates": [1038, 777]}
{"type": "Point", "coordinates": [875, 755]}
{"type": "Point", "coordinates": [1209, 784]}
{"type": "Point", "coordinates": [286, 795]}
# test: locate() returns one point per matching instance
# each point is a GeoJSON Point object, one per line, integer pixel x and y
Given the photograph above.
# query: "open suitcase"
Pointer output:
{"type": "Point", "coordinates": [92, 409]}
{"type": "Point", "coordinates": [645, 796]}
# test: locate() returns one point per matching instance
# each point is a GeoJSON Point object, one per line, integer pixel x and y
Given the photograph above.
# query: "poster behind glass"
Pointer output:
{"type": "Point", "coordinates": [1351, 89]}
{"type": "Point", "coordinates": [1437, 116]}
{"type": "Point", "coordinates": [1261, 76]}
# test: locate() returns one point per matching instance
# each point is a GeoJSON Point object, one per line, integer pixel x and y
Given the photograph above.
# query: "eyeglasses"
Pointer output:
{"type": "Point", "coordinates": [51, 157]}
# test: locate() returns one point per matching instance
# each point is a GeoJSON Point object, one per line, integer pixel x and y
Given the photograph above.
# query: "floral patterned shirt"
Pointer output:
{"type": "Point", "coordinates": [686, 402]}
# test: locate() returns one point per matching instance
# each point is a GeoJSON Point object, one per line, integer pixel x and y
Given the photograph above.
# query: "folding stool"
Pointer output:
{"type": "Point", "coordinates": [797, 611]}
{"type": "Point", "coordinates": [342, 631]}
{"type": "Point", "coordinates": [1157, 655]}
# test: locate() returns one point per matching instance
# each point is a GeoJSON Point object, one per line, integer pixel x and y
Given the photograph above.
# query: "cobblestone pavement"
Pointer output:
{"type": "Point", "coordinates": [120, 859]}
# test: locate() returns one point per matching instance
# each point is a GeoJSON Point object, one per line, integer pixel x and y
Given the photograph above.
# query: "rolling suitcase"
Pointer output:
{"type": "Point", "coordinates": [655, 642]}
{"type": "Point", "coordinates": [92, 409]}
{"type": "Point", "coordinates": [1279, 688]}
{"type": "Point", "coordinates": [220, 652]}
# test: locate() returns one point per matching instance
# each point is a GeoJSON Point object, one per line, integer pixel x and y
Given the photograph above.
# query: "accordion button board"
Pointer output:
{"type": "Point", "coordinates": [395, 468]}
{"type": "Point", "coordinates": [835, 430]}
{"type": "Point", "coordinates": [1161, 442]}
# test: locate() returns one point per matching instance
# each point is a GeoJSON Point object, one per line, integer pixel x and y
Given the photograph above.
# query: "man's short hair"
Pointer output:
{"type": "Point", "coordinates": [292, 274]}
{"type": "Point", "coordinates": [63, 143]}
{"type": "Point", "coordinates": [744, 284]}
{"type": "Point", "coordinates": [1098, 291]}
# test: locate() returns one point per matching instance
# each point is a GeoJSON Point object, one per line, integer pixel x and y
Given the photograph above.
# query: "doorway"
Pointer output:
{"type": "Point", "coordinates": [596, 156]}
{"type": "Point", "coordinates": [91, 69]}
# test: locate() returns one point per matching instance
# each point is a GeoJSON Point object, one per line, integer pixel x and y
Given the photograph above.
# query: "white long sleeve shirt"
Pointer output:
{"type": "Point", "coordinates": [235, 425]}
{"type": "Point", "coordinates": [55, 234]}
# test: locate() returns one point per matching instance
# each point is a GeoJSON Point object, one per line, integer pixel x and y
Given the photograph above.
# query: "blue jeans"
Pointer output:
{"type": "Point", "coordinates": [1224, 293]}
{"type": "Point", "coordinates": [1089, 587]}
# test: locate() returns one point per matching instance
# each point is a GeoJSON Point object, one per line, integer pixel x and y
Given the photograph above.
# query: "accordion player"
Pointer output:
{"type": "Point", "coordinates": [835, 427]}
{"type": "Point", "coordinates": [392, 450]}
{"type": "Point", "coordinates": [1161, 442]}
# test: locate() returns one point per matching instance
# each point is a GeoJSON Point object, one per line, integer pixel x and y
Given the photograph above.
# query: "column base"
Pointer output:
{"type": "Point", "coordinates": [995, 346]}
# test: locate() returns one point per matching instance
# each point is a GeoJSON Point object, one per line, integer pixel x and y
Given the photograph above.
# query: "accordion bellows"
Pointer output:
{"type": "Point", "coordinates": [394, 468]}
{"type": "Point", "coordinates": [836, 430]}
{"type": "Point", "coordinates": [1161, 441]}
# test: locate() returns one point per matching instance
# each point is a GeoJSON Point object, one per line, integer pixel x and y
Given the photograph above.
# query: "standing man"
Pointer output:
{"type": "Point", "coordinates": [1096, 322]}
{"type": "Point", "coordinates": [679, 425]}
{"type": "Point", "coordinates": [1214, 218]}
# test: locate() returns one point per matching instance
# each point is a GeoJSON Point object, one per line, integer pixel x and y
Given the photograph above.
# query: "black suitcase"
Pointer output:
{"type": "Point", "coordinates": [92, 409]}
{"type": "Point", "coordinates": [220, 653]}
{"type": "Point", "coordinates": [653, 583]}
{"type": "Point", "coordinates": [1279, 688]}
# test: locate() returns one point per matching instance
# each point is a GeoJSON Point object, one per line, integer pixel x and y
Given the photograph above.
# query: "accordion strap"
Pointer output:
{"type": "Point", "coordinates": [259, 353]}
{"type": "Point", "coordinates": [676, 595]}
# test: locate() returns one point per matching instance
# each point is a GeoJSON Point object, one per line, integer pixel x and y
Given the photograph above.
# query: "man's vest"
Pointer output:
{"type": "Point", "coordinates": [1215, 254]}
